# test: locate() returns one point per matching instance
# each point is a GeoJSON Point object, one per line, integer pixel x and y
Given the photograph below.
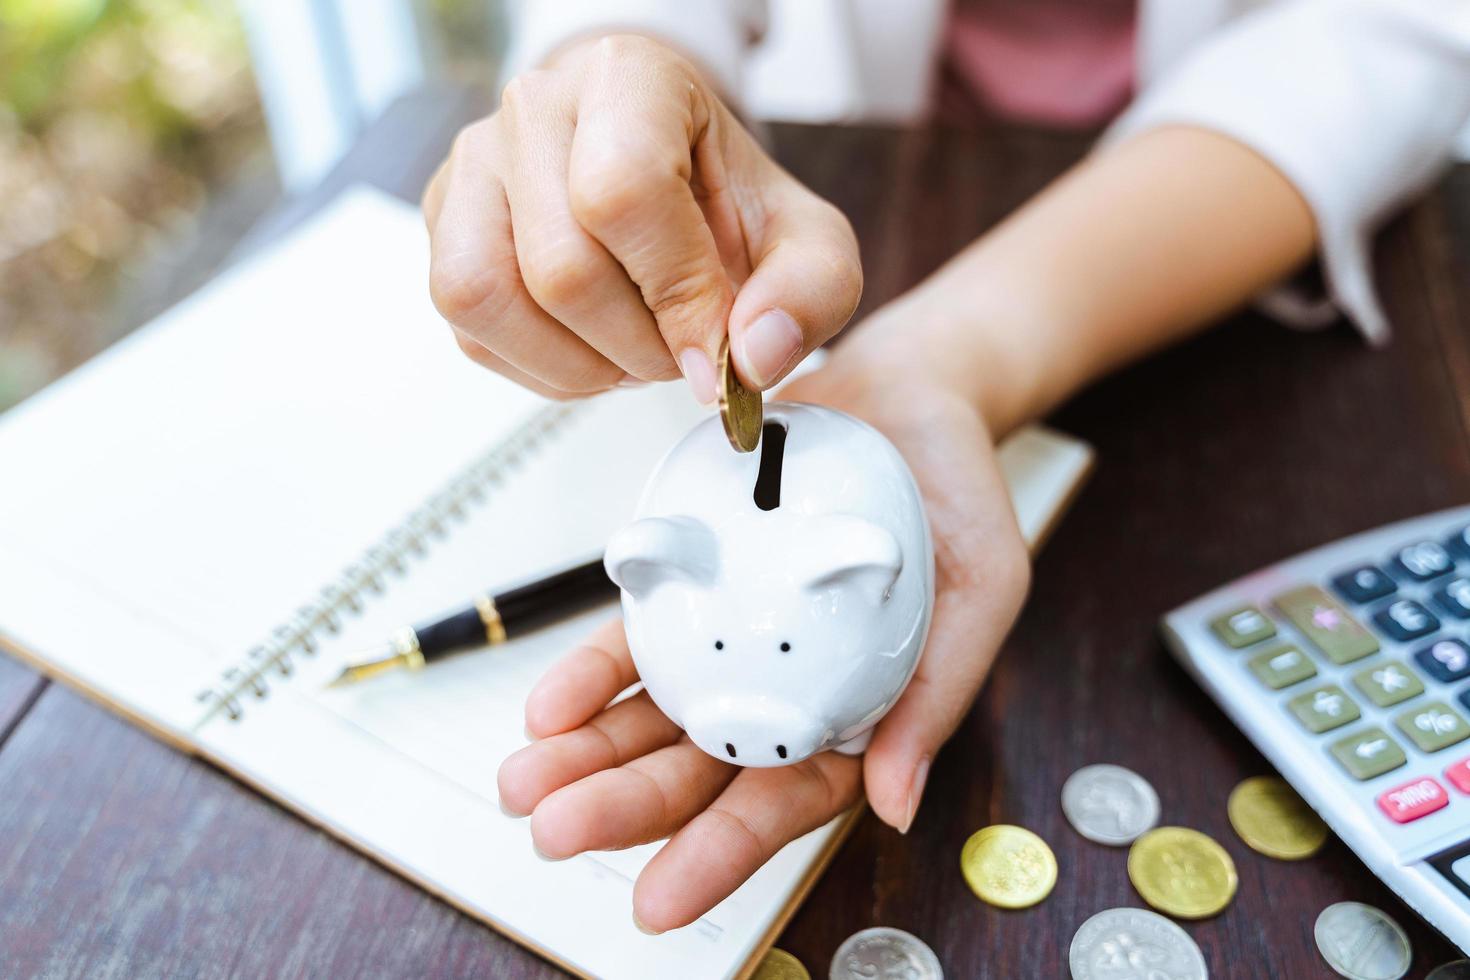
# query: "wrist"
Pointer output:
{"type": "Point", "coordinates": [958, 333]}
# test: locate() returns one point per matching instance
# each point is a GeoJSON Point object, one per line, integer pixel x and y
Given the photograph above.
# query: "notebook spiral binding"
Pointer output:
{"type": "Point", "coordinates": [370, 573]}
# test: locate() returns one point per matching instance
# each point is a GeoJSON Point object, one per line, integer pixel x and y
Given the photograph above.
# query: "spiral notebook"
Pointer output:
{"type": "Point", "coordinates": [198, 527]}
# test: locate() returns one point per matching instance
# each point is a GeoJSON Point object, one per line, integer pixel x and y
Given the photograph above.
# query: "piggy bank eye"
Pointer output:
{"type": "Point", "coordinates": [719, 644]}
{"type": "Point", "coordinates": [785, 647]}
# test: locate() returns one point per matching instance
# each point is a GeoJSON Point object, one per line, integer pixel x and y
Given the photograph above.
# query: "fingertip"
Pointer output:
{"type": "Point", "coordinates": [514, 783]}
{"type": "Point", "coordinates": [558, 828]}
{"type": "Point", "coordinates": [699, 372]}
{"type": "Point", "coordinates": [546, 713]}
{"type": "Point", "coordinates": [894, 781]}
{"type": "Point", "coordinates": [638, 924]}
{"type": "Point", "coordinates": [655, 911]}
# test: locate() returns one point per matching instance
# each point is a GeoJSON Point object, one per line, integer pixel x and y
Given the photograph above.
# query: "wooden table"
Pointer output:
{"type": "Point", "coordinates": [122, 857]}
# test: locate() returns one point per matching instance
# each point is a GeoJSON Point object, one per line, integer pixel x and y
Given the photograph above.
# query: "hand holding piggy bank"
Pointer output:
{"type": "Point", "coordinates": [776, 602]}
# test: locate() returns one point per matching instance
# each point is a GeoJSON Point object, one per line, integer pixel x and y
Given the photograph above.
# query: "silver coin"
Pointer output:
{"type": "Point", "coordinates": [1458, 970]}
{"type": "Point", "coordinates": [1362, 943]}
{"type": "Point", "coordinates": [1109, 804]}
{"type": "Point", "coordinates": [882, 953]}
{"type": "Point", "coordinates": [1134, 944]}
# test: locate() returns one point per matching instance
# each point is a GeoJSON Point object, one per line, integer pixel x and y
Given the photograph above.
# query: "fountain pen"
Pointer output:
{"type": "Point", "coordinates": [489, 620]}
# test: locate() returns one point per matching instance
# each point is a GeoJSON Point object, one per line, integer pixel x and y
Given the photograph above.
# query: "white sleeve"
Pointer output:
{"type": "Point", "coordinates": [1357, 102]}
{"type": "Point", "coordinates": [715, 34]}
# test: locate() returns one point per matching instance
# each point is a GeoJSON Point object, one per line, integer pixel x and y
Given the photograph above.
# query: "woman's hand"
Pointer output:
{"type": "Point", "coordinates": [613, 220]}
{"type": "Point", "coordinates": [600, 777]}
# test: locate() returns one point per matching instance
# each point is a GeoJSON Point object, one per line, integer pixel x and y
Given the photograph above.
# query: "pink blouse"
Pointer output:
{"type": "Point", "coordinates": [1063, 63]}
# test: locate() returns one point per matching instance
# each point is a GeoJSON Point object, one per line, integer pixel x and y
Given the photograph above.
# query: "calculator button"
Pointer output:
{"type": "Point", "coordinates": [1324, 709]}
{"type": "Point", "coordinates": [1406, 620]}
{"type": "Point", "coordinates": [1446, 661]}
{"type": "Point", "coordinates": [1433, 726]}
{"type": "Point", "coordinates": [1388, 684]}
{"type": "Point", "coordinates": [1459, 775]}
{"type": "Point", "coordinates": [1454, 598]}
{"type": "Point", "coordinates": [1244, 626]}
{"type": "Point", "coordinates": [1281, 667]}
{"type": "Point", "coordinates": [1413, 800]}
{"type": "Point", "coordinates": [1327, 624]}
{"type": "Point", "coordinates": [1371, 752]}
{"type": "Point", "coordinates": [1364, 584]}
{"type": "Point", "coordinates": [1423, 561]}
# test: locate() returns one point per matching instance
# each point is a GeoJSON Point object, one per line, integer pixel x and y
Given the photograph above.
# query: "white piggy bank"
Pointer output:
{"type": "Point", "coordinates": [776, 602]}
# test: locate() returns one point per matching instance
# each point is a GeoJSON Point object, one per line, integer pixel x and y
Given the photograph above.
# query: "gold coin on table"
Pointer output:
{"type": "Point", "coordinates": [778, 964]}
{"type": "Point", "coordinates": [1182, 872]}
{"type": "Point", "coordinates": [740, 408]}
{"type": "Point", "coordinates": [1008, 866]}
{"type": "Point", "coordinates": [1268, 815]}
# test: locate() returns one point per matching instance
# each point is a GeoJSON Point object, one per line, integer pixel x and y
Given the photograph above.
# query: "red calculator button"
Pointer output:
{"type": "Point", "coordinates": [1413, 800]}
{"type": "Point", "coordinates": [1459, 775]}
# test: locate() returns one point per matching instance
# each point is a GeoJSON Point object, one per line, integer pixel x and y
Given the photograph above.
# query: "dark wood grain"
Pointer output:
{"type": "Point", "coordinates": [123, 857]}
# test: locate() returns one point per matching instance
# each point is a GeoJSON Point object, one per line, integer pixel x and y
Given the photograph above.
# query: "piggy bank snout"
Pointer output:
{"type": "Point", "coordinates": [754, 731]}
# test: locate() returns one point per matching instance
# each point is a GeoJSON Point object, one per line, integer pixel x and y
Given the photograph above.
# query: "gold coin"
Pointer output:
{"type": "Point", "coordinates": [1268, 815]}
{"type": "Point", "coordinates": [778, 964]}
{"type": "Point", "coordinates": [1182, 872]}
{"type": "Point", "coordinates": [740, 408]}
{"type": "Point", "coordinates": [1009, 867]}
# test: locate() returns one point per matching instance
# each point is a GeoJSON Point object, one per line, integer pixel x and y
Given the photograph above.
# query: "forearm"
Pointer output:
{"type": "Point", "coordinates": [1135, 248]}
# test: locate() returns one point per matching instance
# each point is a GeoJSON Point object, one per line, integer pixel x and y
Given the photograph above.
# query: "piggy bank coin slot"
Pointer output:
{"type": "Point", "coordinates": [768, 477]}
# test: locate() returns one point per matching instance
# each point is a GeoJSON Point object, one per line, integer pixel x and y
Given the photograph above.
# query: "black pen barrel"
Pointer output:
{"type": "Point", "coordinates": [555, 597]}
{"type": "Point", "coordinates": [456, 632]}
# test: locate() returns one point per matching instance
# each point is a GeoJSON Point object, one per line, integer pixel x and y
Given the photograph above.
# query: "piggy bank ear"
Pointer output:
{"type": "Point", "coordinates": [655, 550]}
{"type": "Point", "coordinates": [844, 552]}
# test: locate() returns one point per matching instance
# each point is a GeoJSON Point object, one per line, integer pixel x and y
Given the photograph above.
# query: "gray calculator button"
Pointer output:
{"type": "Point", "coordinates": [1406, 620]}
{"type": "Point", "coordinates": [1446, 661]}
{"type": "Point", "coordinates": [1423, 561]}
{"type": "Point", "coordinates": [1454, 598]}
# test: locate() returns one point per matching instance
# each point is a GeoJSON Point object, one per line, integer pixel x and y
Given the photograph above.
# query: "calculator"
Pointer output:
{"type": "Point", "coordinates": [1348, 667]}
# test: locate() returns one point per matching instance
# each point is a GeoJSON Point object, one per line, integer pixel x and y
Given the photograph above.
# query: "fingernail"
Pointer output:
{"type": "Point", "coordinates": [700, 373]}
{"type": "Point", "coordinates": [916, 792]}
{"type": "Point", "coordinates": [643, 928]}
{"type": "Point", "coordinates": [543, 855]}
{"type": "Point", "coordinates": [628, 381]}
{"type": "Point", "coordinates": [768, 345]}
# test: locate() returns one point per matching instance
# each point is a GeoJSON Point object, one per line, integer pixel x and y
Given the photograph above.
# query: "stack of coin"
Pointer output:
{"type": "Point", "coordinates": [885, 954]}
{"type": "Point", "coordinates": [1182, 872]}
{"type": "Point", "coordinates": [1268, 815]}
{"type": "Point", "coordinates": [1008, 866]}
{"type": "Point", "coordinates": [1362, 943]}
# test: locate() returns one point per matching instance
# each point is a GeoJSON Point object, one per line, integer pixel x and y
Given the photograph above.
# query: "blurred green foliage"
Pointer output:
{"type": "Point", "coordinates": [116, 119]}
{"type": "Point", "coordinates": [124, 56]}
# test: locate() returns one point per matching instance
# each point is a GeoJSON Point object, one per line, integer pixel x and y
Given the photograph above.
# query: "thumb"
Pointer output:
{"type": "Point", "coordinates": [805, 285]}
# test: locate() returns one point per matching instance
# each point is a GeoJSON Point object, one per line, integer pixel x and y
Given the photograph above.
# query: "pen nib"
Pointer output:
{"type": "Point", "coordinates": [374, 662]}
